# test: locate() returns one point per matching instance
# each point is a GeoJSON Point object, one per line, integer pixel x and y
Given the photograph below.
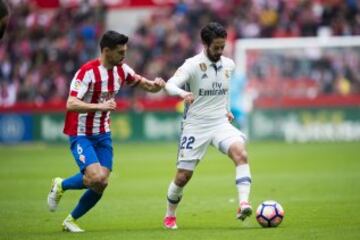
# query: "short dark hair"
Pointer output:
{"type": "Point", "coordinates": [211, 31]}
{"type": "Point", "coordinates": [4, 11]}
{"type": "Point", "coordinates": [111, 39]}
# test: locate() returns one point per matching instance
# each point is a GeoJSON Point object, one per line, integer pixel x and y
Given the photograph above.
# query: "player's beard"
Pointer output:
{"type": "Point", "coordinates": [119, 61]}
{"type": "Point", "coordinates": [115, 62]}
{"type": "Point", "coordinates": [213, 58]}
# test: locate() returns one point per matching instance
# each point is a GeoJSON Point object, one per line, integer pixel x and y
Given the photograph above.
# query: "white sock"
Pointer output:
{"type": "Point", "coordinates": [174, 195]}
{"type": "Point", "coordinates": [243, 182]}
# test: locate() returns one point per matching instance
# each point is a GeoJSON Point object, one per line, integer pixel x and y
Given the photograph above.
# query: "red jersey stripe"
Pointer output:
{"type": "Point", "coordinates": [121, 73]}
{"type": "Point", "coordinates": [72, 119]}
{"type": "Point", "coordinates": [82, 73]}
{"type": "Point", "coordinates": [130, 79]}
{"type": "Point", "coordinates": [110, 81]}
{"type": "Point", "coordinates": [110, 90]}
{"type": "Point", "coordinates": [94, 99]}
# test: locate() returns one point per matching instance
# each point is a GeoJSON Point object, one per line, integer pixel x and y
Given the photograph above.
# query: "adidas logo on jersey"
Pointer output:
{"type": "Point", "coordinates": [204, 76]}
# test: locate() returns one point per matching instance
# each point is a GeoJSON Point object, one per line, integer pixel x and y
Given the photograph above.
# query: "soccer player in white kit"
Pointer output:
{"type": "Point", "coordinates": [207, 118]}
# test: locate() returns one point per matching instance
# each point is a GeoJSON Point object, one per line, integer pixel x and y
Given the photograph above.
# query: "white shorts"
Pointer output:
{"type": "Point", "coordinates": [195, 140]}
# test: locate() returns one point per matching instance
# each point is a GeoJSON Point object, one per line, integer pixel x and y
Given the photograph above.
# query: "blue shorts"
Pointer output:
{"type": "Point", "coordinates": [92, 149]}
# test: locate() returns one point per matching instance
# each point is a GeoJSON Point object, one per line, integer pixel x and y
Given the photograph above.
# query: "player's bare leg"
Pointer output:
{"type": "Point", "coordinates": [174, 195]}
{"type": "Point", "coordinates": [237, 152]}
{"type": "Point", "coordinates": [96, 179]}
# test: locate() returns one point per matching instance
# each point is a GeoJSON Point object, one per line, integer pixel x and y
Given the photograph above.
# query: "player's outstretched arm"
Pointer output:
{"type": "Point", "coordinates": [76, 105]}
{"type": "Point", "coordinates": [151, 86]}
{"type": "Point", "coordinates": [172, 89]}
{"type": "Point", "coordinates": [180, 78]}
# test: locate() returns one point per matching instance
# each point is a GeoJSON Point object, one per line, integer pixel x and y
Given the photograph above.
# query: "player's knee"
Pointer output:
{"type": "Point", "coordinates": [103, 183]}
{"type": "Point", "coordinates": [182, 178]}
{"type": "Point", "coordinates": [99, 181]}
{"type": "Point", "coordinates": [239, 155]}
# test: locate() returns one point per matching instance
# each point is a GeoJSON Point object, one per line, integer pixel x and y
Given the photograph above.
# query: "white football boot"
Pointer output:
{"type": "Point", "coordinates": [55, 194]}
{"type": "Point", "coordinates": [69, 225]}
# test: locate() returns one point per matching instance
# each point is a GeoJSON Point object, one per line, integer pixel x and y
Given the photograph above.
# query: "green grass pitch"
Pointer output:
{"type": "Point", "coordinates": [317, 184]}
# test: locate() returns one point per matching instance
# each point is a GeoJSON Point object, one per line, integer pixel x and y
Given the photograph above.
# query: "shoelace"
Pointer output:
{"type": "Point", "coordinates": [58, 195]}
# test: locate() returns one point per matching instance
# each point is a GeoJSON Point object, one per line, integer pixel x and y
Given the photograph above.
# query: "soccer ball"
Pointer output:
{"type": "Point", "coordinates": [269, 214]}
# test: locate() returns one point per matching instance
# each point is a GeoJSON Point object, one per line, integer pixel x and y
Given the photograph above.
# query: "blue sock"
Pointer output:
{"type": "Point", "coordinates": [87, 201]}
{"type": "Point", "coordinates": [74, 182]}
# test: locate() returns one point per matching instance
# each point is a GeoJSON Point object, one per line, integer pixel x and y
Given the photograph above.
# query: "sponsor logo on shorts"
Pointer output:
{"type": "Point", "coordinates": [82, 158]}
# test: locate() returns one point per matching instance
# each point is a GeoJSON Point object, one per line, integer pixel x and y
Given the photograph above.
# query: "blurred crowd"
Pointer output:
{"type": "Point", "coordinates": [162, 42]}
{"type": "Point", "coordinates": [43, 49]}
{"type": "Point", "coordinates": [299, 73]}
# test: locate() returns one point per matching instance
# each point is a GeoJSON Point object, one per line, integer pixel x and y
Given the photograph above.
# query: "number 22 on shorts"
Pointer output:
{"type": "Point", "coordinates": [187, 142]}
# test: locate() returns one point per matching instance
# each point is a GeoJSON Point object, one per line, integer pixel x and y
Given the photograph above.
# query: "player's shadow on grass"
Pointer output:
{"type": "Point", "coordinates": [182, 229]}
{"type": "Point", "coordinates": [217, 228]}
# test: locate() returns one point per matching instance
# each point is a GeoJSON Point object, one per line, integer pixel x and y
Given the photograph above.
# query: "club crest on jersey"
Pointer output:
{"type": "Point", "coordinates": [203, 67]}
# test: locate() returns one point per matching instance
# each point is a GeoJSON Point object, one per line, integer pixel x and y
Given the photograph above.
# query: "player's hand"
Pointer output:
{"type": "Point", "coordinates": [108, 105]}
{"type": "Point", "coordinates": [188, 97]}
{"type": "Point", "coordinates": [159, 83]}
{"type": "Point", "coordinates": [230, 116]}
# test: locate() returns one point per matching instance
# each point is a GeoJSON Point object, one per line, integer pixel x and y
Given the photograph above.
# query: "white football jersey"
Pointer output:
{"type": "Point", "coordinates": [209, 82]}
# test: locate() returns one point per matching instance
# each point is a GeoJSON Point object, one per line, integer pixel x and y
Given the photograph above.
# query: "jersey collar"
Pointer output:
{"type": "Point", "coordinates": [209, 63]}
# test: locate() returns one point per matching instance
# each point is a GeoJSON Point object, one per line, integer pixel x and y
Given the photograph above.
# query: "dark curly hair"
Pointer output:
{"type": "Point", "coordinates": [211, 31]}
{"type": "Point", "coordinates": [111, 39]}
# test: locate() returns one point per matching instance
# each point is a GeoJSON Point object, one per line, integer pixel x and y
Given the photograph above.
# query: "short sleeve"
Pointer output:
{"type": "Point", "coordinates": [80, 84]}
{"type": "Point", "coordinates": [130, 76]}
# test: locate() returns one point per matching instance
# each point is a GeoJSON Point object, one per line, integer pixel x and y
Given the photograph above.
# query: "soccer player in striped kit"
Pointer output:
{"type": "Point", "coordinates": [207, 119]}
{"type": "Point", "coordinates": [87, 123]}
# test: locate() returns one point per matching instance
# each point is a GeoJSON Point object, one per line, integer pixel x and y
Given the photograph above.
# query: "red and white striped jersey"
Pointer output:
{"type": "Point", "coordinates": [93, 83]}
